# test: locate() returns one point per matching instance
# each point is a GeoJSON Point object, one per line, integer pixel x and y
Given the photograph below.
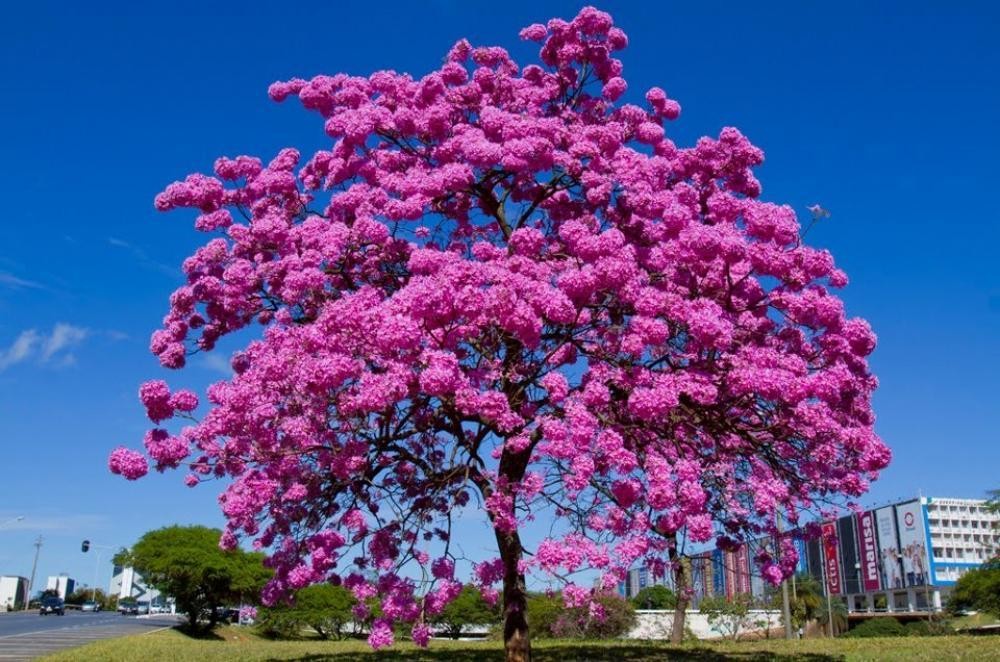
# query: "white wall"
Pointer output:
{"type": "Point", "coordinates": [657, 624]}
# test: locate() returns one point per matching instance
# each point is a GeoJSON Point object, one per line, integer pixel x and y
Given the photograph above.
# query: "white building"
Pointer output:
{"type": "Point", "coordinates": [62, 584]}
{"type": "Point", "coordinates": [13, 590]}
{"type": "Point", "coordinates": [907, 556]}
{"type": "Point", "coordinates": [128, 583]}
{"type": "Point", "coordinates": [964, 534]}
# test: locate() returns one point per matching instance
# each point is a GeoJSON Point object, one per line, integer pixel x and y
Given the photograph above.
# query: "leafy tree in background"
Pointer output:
{"type": "Point", "coordinates": [608, 616]}
{"type": "Point", "coordinates": [186, 562]}
{"type": "Point", "coordinates": [729, 616]}
{"type": "Point", "coordinates": [505, 286]}
{"type": "Point", "coordinates": [835, 611]}
{"type": "Point", "coordinates": [468, 609]}
{"type": "Point", "coordinates": [655, 597]}
{"type": "Point", "coordinates": [978, 589]}
{"type": "Point", "coordinates": [805, 605]}
{"type": "Point", "coordinates": [323, 607]}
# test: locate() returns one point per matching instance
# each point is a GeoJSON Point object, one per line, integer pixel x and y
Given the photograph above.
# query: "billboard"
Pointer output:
{"type": "Point", "coordinates": [868, 551]}
{"type": "Point", "coordinates": [888, 543]}
{"type": "Point", "coordinates": [800, 547]}
{"type": "Point", "coordinates": [718, 573]}
{"type": "Point", "coordinates": [912, 543]}
{"type": "Point", "coordinates": [831, 558]}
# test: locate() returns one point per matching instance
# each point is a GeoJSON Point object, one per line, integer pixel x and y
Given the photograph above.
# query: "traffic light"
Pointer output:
{"type": "Point", "coordinates": [85, 546]}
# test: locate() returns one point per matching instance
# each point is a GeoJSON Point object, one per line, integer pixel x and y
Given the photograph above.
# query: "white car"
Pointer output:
{"type": "Point", "coordinates": [90, 605]}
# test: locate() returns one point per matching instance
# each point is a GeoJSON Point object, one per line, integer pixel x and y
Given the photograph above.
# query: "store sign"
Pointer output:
{"type": "Point", "coordinates": [868, 548]}
{"type": "Point", "coordinates": [832, 560]}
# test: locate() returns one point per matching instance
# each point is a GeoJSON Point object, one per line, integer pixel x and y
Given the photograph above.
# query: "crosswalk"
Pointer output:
{"type": "Point", "coordinates": [28, 646]}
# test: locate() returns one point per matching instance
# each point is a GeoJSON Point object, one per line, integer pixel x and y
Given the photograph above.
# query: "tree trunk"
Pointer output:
{"type": "Point", "coordinates": [516, 643]}
{"type": "Point", "coordinates": [680, 589]}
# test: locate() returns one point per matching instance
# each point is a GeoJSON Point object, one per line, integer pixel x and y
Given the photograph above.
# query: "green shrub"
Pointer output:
{"type": "Point", "coordinates": [882, 626]}
{"type": "Point", "coordinates": [578, 623]}
{"type": "Point", "coordinates": [543, 611]}
{"type": "Point", "coordinates": [655, 597]}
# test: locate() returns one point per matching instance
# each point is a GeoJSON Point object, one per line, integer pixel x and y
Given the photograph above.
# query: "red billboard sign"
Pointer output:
{"type": "Point", "coordinates": [831, 559]}
{"type": "Point", "coordinates": [868, 550]}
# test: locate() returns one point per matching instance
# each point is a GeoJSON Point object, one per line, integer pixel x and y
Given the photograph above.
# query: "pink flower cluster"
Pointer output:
{"type": "Point", "coordinates": [507, 282]}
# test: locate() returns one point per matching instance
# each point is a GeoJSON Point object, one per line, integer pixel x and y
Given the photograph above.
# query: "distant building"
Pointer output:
{"type": "Point", "coordinates": [13, 591]}
{"type": "Point", "coordinates": [62, 584]}
{"type": "Point", "coordinates": [903, 557]}
{"type": "Point", "coordinates": [127, 582]}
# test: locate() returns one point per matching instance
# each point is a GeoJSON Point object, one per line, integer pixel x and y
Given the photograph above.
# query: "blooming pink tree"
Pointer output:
{"type": "Point", "coordinates": [501, 289]}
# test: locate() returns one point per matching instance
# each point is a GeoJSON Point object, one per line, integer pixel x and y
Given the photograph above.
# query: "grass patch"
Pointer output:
{"type": "Point", "coordinates": [973, 621]}
{"type": "Point", "coordinates": [239, 644]}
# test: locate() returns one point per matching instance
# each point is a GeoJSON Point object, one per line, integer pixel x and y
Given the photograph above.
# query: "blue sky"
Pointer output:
{"type": "Point", "coordinates": [884, 114]}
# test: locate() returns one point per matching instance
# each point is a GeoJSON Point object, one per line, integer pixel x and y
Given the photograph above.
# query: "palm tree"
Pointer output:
{"type": "Point", "coordinates": [808, 598]}
{"type": "Point", "coordinates": [838, 612]}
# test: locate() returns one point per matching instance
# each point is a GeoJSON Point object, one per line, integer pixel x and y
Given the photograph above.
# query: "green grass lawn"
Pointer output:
{"type": "Point", "coordinates": [974, 621]}
{"type": "Point", "coordinates": [238, 644]}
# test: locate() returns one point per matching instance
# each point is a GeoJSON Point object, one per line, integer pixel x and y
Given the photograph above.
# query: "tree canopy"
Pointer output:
{"type": "Point", "coordinates": [468, 608]}
{"type": "Point", "coordinates": [655, 597]}
{"type": "Point", "coordinates": [505, 289]}
{"type": "Point", "coordinates": [978, 589]}
{"type": "Point", "coordinates": [323, 607]}
{"type": "Point", "coordinates": [186, 562]}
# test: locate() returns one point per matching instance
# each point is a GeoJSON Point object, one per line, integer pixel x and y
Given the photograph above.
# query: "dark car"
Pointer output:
{"type": "Point", "coordinates": [128, 608]}
{"type": "Point", "coordinates": [51, 605]}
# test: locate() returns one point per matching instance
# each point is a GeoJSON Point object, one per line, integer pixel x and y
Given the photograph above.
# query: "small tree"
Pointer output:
{"type": "Point", "coordinates": [729, 616]}
{"type": "Point", "coordinates": [978, 589]}
{"type": "Point", "coordinates": [605, 616]}
{"type": "Point", "coordinates": [655, 597]}
{"type": "Point", "coordinates": [835, 611]}
{"type": "Point", "coordinates": [187, 563]}
{"type": "Point", "coordinates": [544, 610]}
{"type": "Point", "coordinates": [469, 608]}
{"type": "Point", "coordinates": [805, 606]}
{"type": "Point", "coordinates": [81, 595]}
{"type": "Point", "coordinates": [880, 626]}
{"type": "Point", "coordinates": [325, 608]}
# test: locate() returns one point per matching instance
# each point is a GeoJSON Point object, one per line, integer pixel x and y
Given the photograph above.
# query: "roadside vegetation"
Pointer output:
{"type": "Point", "coordinates": [232, 643]}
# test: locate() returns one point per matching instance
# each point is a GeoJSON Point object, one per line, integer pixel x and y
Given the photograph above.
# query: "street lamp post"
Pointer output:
{"type": "Point", "coordinates": [34, 566]}
{"type": "Point", "coordinates": [85, 547]}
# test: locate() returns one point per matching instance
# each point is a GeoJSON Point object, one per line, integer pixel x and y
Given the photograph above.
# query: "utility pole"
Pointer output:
{"type": "Point", "coordinates": [34, 566]}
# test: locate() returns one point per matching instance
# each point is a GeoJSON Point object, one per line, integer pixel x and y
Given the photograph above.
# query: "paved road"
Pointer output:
{"type": "Point", "coordinates": [27, 636]}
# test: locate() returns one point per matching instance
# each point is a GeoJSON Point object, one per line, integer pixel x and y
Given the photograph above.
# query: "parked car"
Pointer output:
{"type": "Point", "coordinates": [52, 605]}
{"type": "Point", "coordinates": [227, 614]}
{"type": "Point", "coordinates": [90, 605]}
{"type": "Point", "coordinates": [159, 609]}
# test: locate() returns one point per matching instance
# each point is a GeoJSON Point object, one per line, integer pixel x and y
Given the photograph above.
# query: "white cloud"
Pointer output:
{"type": "Point", "coordinates": [10, 280]}
{"type": "Point", "coordinates": [63, 336]}
{"type": "Point", "coordinates": [54, 348]}
{"type": "Point", "coordinates": [216, 363]}
{"type": "Point", "coordinates": [20, 349]}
